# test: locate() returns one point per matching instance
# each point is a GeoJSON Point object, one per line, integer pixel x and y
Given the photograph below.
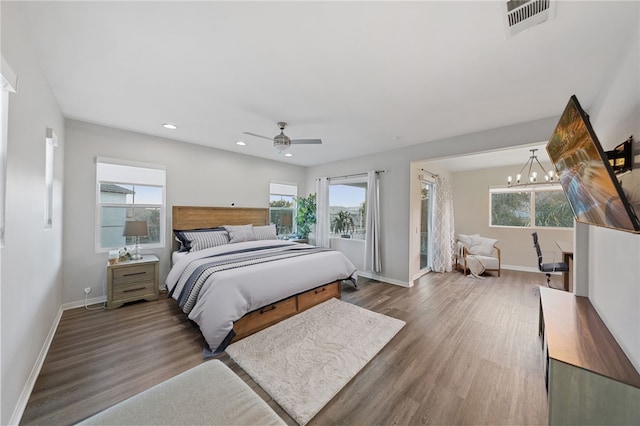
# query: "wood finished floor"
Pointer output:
{"type": "Point", "coordinates": [469, 354]}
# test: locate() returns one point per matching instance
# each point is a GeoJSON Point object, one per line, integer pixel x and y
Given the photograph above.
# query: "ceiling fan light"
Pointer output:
{"type": "Point", "coordinates": [281, 142]}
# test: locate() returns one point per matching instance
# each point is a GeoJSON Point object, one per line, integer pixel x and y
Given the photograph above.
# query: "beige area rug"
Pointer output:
{"type": "Point", "coordinates": [304, 361]}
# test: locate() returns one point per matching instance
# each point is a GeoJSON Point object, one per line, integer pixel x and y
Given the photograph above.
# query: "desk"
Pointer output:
{"type": "Point", "coordinates": [567, 257]}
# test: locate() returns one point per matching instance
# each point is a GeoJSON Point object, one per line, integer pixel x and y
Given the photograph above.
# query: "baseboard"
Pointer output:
{"type": "Point", "coordinates": [374, 276]}
{"type": "Point", "coordinates": [523, 268]}
{"type": "Point", "coordinates": [80, 303]}
{"type": "Point", "coordinates": [35, 371]}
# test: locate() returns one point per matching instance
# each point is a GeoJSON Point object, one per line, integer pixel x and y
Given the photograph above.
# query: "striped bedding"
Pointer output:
{"type": "Point", "coordinates": [219, 285]}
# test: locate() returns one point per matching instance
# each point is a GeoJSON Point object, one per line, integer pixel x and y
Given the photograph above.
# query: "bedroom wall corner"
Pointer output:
{"type": "Point", "coordinates": [195, 176]}
{"type": "Point", "coordinates": [31, 258]}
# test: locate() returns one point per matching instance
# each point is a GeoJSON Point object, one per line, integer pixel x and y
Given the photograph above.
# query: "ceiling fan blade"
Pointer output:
{"type": "Point", "coordinates": [258, 136]}
{"type": "Point", "coordinates": [306, 141]}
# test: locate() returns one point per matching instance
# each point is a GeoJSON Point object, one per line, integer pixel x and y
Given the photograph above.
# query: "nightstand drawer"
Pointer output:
{"type": "Point", "coordinates": [137, 289]}
{"type": "Point", "coordinates": [132, 274]}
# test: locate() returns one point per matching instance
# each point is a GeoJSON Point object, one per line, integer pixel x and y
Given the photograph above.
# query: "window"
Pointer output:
{"type": "Point", "coordinates": [544, 206]}
{"type": "Point", "coordinates": [8, 84]}
{"type": "Point", "coordinates": [282, 206]}
{"type": "Point", "coordinates": [347, 214]}
{"type": "Point", "coordinates": [51, 141]}
{"type": "Point", "coordinates": [129, 192]}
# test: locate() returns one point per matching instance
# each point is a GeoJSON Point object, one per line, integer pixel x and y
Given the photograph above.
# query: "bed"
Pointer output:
{"type": "Point", "coordinates": [234, 288]}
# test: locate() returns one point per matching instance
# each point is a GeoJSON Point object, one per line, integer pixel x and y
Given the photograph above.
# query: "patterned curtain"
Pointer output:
{"type": "Point", "coordinates": [443, 228]}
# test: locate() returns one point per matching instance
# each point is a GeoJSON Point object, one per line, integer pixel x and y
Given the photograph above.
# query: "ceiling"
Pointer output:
{"type": "Point", "coordinates": [365, 77]}
{"type": "Point", "coordinates": [516, 156]}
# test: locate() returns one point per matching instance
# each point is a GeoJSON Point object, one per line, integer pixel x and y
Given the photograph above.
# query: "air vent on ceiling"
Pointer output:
{"type": "Point", "coordinates": [523, 14]}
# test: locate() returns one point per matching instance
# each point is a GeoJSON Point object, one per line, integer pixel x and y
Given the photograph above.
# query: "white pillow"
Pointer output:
{"type": "Point", "coordinates": [266, 232]}
{"type": "Point", "coordinates": [482, 246]}
{"type": "Point", "coordinates": [467, 240]}
{"type": "Point", "coordinates": [239, 234]}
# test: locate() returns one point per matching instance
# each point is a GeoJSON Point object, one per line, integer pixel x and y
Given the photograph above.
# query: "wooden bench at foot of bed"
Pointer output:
{"type": "Point", "coordinates": [208, 394]}
{"type": "Point", "coordinates": [276, 312]}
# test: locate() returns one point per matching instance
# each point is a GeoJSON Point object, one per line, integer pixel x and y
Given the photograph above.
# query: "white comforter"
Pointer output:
{"type": "Point", "coordinates": [228, 295]}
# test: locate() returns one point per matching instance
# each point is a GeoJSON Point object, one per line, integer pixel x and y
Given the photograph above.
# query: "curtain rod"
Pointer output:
{"type": "Point", "coordinates": [427, 171]}
{"type": "Point", "coordinates": [354, 175]}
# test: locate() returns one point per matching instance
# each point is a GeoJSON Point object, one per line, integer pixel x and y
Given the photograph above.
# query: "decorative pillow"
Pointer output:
{"type": "Point", "coordinates": [200, 239]}
{"type": "Point", "coordinates": [267, 232]}
{"type": "Point", "coordinates": [482, 246]}
{"type": "Point", "coordinates": [242, 233]}
{"type": "Point", "coordinates": [467, 240]}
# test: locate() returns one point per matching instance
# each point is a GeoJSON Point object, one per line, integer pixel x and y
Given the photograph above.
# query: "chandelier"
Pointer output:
{"type": "Point", "coordinates": [532, 175]}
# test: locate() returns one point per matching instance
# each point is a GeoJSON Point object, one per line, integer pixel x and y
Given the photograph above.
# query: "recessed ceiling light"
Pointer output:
{"type": "Point", "coordinates": [170, 126]}
{"type": "Point", "coordinates": [288, 154]}
{"type": "Point", "coordinates": [241, 143]}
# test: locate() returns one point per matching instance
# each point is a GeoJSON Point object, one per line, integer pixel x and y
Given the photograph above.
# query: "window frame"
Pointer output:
{"type": "Point", "coordinates": [532, 190]}
{"type": "Point", "coordinates": [159, 181]}
{"type": "Point", "coordinates": [8, 84]}
{"type": "Point", "coordinates": [347, 181]}
{"type": "Point", "coordinates": [51, 142]}
{"type": "Point", "coordinates": [294, 208]}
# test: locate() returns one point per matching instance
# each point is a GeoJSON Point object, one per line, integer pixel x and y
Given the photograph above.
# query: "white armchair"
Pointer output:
{"type": "Point", "coordinates": [482, 249]}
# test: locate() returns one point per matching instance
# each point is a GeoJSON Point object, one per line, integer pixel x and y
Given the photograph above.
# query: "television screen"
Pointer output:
{"type": "Point", "coordinates": [593, 192]}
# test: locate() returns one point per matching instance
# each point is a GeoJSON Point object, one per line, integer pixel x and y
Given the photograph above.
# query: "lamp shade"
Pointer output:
{"type": "Point", "coordinates": [135, 228]}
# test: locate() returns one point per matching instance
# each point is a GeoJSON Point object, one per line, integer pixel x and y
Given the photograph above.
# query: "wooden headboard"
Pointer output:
{"type": "Point", "coordinates": [194, 217]}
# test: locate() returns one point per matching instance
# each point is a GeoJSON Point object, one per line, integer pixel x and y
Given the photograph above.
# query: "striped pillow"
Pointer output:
{"type": "Point", "coordinates": [200, 239]}
{"type": "Point", "coordinates": [267, 232]}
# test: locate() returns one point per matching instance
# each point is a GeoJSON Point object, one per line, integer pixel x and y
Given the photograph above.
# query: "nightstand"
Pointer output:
{"type": "Point", "coordinates": [132, 280]}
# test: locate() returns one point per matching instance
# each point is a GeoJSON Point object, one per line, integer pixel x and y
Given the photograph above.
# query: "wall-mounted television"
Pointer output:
{"type": "Point", "coordinates": [588, 181]}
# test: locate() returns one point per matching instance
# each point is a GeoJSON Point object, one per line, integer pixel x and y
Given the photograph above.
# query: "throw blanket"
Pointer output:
{"type": "Point", "coordinates": [476, 267]}
{"type": "Point", "coordinates": [198, 271]}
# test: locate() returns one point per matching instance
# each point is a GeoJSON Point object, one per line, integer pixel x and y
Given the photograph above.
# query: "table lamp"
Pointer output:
{"type": "Point", "coordinates": [137, 229]}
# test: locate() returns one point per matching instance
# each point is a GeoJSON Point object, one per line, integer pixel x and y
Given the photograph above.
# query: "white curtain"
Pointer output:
{"type": "Point", "coordinates": [443, 228]}
{"type": "Point", "coordinates": [322, 212]}
{"type": "Point", "coordinates": [372, 260]}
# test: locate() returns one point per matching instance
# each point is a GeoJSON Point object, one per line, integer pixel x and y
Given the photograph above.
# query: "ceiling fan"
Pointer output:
{"type": "Point", "coordinates": [282, 142]}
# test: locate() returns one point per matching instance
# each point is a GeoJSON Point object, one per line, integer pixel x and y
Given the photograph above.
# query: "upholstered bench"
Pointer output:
{"type": "Point", "coordinates": [209, 394]}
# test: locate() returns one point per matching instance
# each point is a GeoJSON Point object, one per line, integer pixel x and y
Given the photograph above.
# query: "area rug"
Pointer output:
{"type": "Point", "coordinates": [304, 361]}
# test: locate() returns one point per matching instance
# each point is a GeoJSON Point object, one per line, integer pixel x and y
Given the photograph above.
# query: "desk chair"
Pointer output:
{"type": "Point", "coordinates": [547, 268]}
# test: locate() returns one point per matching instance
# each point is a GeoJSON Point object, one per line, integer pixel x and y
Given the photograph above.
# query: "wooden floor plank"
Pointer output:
{"type": "Point", "coordinates": [469, 354]}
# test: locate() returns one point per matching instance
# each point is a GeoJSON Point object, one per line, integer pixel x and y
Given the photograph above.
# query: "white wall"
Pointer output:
{"type": "Point", "coordinates": [32, 256]}
{"type": "Point", "coordinates": [196, 175]}
{"type": "Point", "coordinates": [394, 184]}
{"type": "Point", "coordinates": [612, 268]}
